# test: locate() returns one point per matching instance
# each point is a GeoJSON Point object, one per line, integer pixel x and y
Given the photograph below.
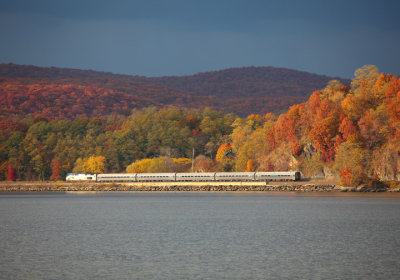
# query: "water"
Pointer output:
{"type": "Point", "coordinates": [199, 236]}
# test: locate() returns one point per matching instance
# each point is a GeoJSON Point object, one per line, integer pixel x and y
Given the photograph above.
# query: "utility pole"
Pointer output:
{"type": "Point", "coordinates": [193, 161]}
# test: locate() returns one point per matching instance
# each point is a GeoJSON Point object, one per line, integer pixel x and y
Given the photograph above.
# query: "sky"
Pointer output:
{"type": "Point", "coordinates": [184, 37]}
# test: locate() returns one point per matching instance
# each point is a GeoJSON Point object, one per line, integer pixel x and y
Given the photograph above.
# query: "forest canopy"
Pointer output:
{"type": "Point", "coordinates": [352, 132]}
{"type": "Point", "coordinates": [71, 93]}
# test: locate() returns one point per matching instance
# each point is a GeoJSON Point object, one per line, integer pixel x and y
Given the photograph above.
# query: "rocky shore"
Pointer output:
{"type": "Point", "coordinates": [102, 187]}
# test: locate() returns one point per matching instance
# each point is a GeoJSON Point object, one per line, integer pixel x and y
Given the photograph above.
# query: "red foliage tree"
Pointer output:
{"type": "Point", "coordinates": [11, 172]}
{"type": "Point", "coordinates": [55, 169]}
{"type": "Point", "coordinates": [347, 129]}
{"type": "Point", "coordinates": [345, 176]}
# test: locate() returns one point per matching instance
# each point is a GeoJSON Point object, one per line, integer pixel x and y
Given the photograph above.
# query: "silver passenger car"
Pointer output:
{"type": "Point", "coordinates": [193, 177]}
{"type": "Point", "coordinates": [116, 177]}
{"type": "Point", "coordinates": [277, 176]}
{"type": "Point", "coordinates": [234, 176]}
{"type": "Point", "coordinates": [155, 177]}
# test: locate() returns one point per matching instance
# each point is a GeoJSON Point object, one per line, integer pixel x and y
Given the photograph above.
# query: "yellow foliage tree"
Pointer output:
{"type": "Point", "coordinates": [94, 164]}
{"type": "Point", "coordinates": [181, 164]}
{"type": "Point", "coordinates": [159, 164]}
{"type": "Point", "coordinates": [78, 166]}
{"type": "Point", "coordinates": [139, 166]}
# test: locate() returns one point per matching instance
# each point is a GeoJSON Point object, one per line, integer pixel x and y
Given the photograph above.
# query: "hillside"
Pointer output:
{"type": "Point", "coordinates": [66, 101]}
{"type": "Point", "coordinates": [242, 91]}
{"type": "Point", "coordinates": [248, 82]}
{"type": "Point", "coordinates": [352, 132]}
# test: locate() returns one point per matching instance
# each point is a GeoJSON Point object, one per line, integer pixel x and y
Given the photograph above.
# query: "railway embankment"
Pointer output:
{"type": "Point", "coordinates": [184, 187]}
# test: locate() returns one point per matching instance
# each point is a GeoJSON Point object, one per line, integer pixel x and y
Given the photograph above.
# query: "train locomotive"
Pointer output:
{"type": "Point", "coordinates": [186, 177]}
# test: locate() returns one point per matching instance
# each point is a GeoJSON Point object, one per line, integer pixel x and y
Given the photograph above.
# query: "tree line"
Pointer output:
{"type": "Point", "coordinates": [351, 132]}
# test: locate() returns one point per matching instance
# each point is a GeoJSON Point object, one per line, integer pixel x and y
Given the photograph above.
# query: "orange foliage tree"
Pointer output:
{"type": "Point", "coordinates": [347, 129]}
{"type": "Point", "coordinates": [223, 150]}
{"type": "Point", "coordinates": [323, 135]}
{"type": "Point", "coordinates": [392, 101]}
{"type": "Point", "coordinates": [250, 166]}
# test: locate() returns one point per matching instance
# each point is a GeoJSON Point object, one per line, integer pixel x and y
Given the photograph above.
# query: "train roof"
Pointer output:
{"type": "Point", "coordinates": [156, 174]}
{"type": "Point", "coordinates": [235, 173]}
{"type": "Point", "coordinates": [279, 172]}
{"type": "Point", "coordinates": [195, 174]}
{"type": "Point", "coordinates": [116, 174]}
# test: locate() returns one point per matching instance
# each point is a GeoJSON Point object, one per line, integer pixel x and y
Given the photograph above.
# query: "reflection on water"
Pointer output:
{"type": "Point", "coordinates": [200, 236]}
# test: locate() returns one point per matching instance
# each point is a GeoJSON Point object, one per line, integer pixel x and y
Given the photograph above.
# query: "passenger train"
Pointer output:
{"type": "Point", "coordinates": [186, 177]}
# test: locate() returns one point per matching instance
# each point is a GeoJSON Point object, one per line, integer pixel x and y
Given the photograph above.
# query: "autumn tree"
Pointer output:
{"type": "Point", "coordinates": [323, 135]}
{"type": "Point", "coordinates": [348, 129]}
{"type": "Point", "coordinates": [250, 166]}
{"type": "Point", "coordinates": [223, 151]}
{"type": "Point", "coordinates": [392, 101]}
{"type": "Point", "coordinates": [352, 157]}
{"type": "Point", "coordinates": [94, 164]}
{"type": "Point", "coordinates": [55, 170]}
{"type": "Point", "coordinates": [365, 77]}
{"type": "Point", "coordinates": [203, 164]}
{"type": "Point", "coordinates": [78, 166]}
{"type": "Point", "coordinates": [181, 164]}
{"type": "Point", "coordinates": [139, 166]}
{"type": "Point", "coordinates": [385, 164]}
{"type": "Point", "coordinates": [11, 173]}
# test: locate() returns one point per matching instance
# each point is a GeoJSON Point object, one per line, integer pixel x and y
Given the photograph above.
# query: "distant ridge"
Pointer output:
{"type": "Point", "coordinates": [248, 81]}
{"type": "Point", "coordinates": [242, 91]}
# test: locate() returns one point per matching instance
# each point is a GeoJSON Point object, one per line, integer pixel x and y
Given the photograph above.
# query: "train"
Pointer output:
{"type": "Point", "coordinates": [186, 177]}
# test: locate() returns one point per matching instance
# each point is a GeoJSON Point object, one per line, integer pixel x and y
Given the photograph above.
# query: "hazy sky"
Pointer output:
{"type": "Point", "coordinates": [156, 38]}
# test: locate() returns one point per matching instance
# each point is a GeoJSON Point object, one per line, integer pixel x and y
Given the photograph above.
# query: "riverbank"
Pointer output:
{"type": "Point", "coordinates": [184, 187]}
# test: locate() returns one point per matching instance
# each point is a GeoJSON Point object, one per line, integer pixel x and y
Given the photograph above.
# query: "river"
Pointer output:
{"type": "Point", "coordinates": [125, 235]}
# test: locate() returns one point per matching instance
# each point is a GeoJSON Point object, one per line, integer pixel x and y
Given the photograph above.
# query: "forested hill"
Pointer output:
{"type": "Point", "coordinates": [239, 90]}
{"type": "Point", "coordinates": [248, 82]}
{"type": "Point", "coordinates": [347, 131]}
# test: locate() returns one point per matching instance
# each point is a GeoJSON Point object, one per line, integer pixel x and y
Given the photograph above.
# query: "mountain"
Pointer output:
{"type": "Point", "coordinates": [242, 91]}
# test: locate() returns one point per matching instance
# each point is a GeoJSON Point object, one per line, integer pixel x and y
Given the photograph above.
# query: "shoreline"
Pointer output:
{"type": "Point", "coordinates": [8, 186]}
